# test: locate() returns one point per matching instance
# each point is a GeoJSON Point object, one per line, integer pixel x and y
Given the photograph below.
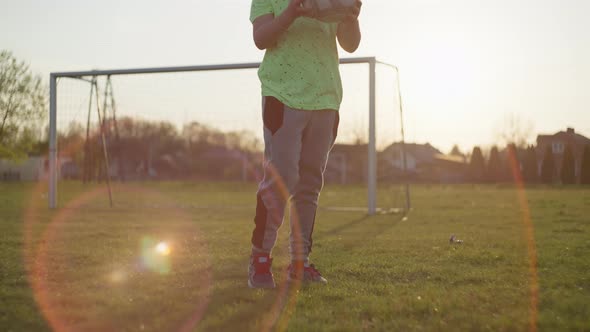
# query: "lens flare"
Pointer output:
{"type": "Point", "coordinates": [529, 234]}
{"type": "Point", "coordinates": [144, 261]}
{"type": "Point", "coordinates": [117, 277]}
{"type": "Point", "coordinates": [163, 249]}
{"type": "Point", "coordinates": [154, 255]}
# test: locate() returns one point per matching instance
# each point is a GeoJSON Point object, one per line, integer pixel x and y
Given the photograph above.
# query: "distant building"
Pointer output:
{"type": "Point", "coordinates": [416, 155]}
{"type": "Point", "coordinates": [30, 169]}
{"type": "Point", "coordinates": [36, 168]}
{"type": "Point", "coordinates": [558, 142]}
{"type": "Point", "coordinates": [69, 170]}
{"type": "Point", "coordinates": [423, 163]}
{"type": "Point", "coordinates": [347, 163]}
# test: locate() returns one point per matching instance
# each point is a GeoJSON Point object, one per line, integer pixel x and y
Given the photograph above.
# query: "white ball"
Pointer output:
{"type": "Point", "coordinates": [330, 10]}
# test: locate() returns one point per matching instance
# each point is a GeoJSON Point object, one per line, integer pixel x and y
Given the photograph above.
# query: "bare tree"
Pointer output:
{"type": "Point", "coordinates": [514, 129]}
{"type": "Point", "coordinates": [360, 133]}
{"type": "Point", "coordinates": [22, 104]}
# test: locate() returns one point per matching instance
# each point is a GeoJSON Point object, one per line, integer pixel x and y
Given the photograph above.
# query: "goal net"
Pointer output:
{"type": "Point", "coordinates": [204, 123]}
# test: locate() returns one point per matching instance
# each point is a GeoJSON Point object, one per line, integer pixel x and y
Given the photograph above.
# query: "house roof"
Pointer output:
{"type": "Point", "coordinates": [568, 135]}
{"type": "Point", "coordinates": [422, 152]}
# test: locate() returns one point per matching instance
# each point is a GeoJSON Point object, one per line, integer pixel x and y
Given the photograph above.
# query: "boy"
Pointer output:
{"type": "Point", "coordinates": [302, 92]}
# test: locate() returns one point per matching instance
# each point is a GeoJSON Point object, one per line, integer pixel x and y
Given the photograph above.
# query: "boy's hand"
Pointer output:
{"type": "Point", "coordinates": [355, 12]}
{"type": "Point", "coordinates": [267, 28]}
{"type": "Point", "coordinates": [296, 9]}
{"type": "Point", "coordinates": [349, 33]}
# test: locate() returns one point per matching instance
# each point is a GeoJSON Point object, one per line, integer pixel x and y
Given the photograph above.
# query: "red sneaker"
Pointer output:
{"type": "Point", "coordinates": [297, 270]}
{"type": "Point", "coordinates": [260, 272]}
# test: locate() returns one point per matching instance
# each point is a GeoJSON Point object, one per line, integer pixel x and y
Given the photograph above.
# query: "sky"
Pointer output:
{"type": "Point", "coordinates": [466, 65]}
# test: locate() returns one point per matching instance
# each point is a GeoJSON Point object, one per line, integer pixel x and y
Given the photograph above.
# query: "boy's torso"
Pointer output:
{"type": "Point", "coordinates": [301, 70]}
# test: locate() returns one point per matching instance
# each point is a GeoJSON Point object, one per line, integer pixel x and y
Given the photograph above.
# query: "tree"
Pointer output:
{"type": "Point", "coordinates": [22, 106]}
{"type": "Point", "coordinates": [513, 163]}
{"type": "Point", "coordinates": [568, 166]}
{"type": "Point", "coordinates": [455, 151]}
{"type": "Point", "coordinates": [514, 130]}
{"type": "Point", "coordinates": [585, 178]}
{"type": "Point", "coordinates": [360, 134]}
{"type": "Point", "coordinates": [531, 171]}
{"type": "Point", "coordinates": [477, 165]}
{"type": "Point", "coordinates": [71, 141]}
{"type": "Point", "coordinates": [494, 169]}
{"type": "Point", "coordinates": [548, 166]}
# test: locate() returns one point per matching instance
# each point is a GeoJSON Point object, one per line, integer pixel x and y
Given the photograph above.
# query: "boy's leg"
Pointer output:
{"type": "Point", "coordinates": [318, 138]}
{"type": "Point", "coordinates": [283, 128]}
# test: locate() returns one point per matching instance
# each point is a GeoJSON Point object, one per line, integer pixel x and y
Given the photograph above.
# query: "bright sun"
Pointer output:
{"type": "Point", "coordinates": [163, 249]}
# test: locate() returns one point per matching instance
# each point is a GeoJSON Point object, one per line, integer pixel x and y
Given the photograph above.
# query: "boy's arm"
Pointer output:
{"type": "Point", "coordinates": [349, 32]}
{"type": "Point", "coordinates": [267, 28]}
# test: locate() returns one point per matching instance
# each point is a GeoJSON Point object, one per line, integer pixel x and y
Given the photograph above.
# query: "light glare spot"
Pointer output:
{"type": "Point", "coordinates": [163, 249]}
{"type": "Point", "coordinates": [117, 277]}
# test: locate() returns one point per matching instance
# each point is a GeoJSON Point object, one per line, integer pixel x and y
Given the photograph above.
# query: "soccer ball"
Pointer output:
{"type": "Point", "coordinates": [330, 10]}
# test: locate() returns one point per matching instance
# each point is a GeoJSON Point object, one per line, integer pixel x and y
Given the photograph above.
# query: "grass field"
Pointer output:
{"type": "Point", "coordinates": [87, 267]}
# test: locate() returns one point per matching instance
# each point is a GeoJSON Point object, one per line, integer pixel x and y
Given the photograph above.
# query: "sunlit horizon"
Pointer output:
{"type": "Point", "coordinates": [465, 66]}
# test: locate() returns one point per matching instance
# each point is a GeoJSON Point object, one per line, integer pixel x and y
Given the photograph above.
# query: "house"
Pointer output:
{"type": "Point", "coordinates": [30, 169]}
{"type": "Point", "coordinates": [347, 163]}
{"type": "Point", "coordinates": [34, 168]}
{"type": "Point", "coordinates": [69, 170]}
{"type": "Point", "coordinates": [423, 163]}
{"type": "Point", "coordinates": [558, 142]}
{"type": "Point", "coordinates": [416, 154]}
{"type": "Point", "coordinates": [222, 163]}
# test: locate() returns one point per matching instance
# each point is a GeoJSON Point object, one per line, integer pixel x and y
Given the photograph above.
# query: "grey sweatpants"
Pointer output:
{"type": "Point", "coordinates": [296, 150]}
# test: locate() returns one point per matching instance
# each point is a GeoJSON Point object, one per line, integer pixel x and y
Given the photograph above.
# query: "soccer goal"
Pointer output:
{"type": "Point", "coordinates": [203, 123]}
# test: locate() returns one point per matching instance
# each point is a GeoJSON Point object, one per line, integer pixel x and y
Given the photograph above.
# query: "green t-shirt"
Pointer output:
{"type": "Point", "coordinates": [301, 70]}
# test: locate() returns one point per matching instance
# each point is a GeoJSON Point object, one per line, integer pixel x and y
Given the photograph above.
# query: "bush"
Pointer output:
{"type": "Point", "coordinates": [513, 163]}
{"type": "Point", "coordinates": [548, 166]}
{"type": "Point", "coordinates": [568, 167]}
{"type": "Point", "coordinates": [585, 177]}
{"type": "Point", "coordinates": [531, 171]}
{"type": "Point", "coordinates": [477, 165]}
{"type": "Point", "coordinates": [494, 169]}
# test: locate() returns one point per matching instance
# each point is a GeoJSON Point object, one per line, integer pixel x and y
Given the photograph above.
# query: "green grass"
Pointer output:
{"type": "Point", "coordinates": [80, 267]}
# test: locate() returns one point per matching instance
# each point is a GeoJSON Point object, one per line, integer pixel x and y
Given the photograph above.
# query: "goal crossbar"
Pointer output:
{"type": "Point", "coordinates": [372, 143]}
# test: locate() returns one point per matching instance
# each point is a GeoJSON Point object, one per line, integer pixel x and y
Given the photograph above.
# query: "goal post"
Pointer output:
{"type": "Point", "coordinates": [91, 75]}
